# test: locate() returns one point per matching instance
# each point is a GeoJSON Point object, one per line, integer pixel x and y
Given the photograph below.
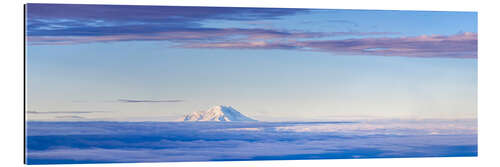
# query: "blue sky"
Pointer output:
{"type": "Point", "coordinates": [85, 61]}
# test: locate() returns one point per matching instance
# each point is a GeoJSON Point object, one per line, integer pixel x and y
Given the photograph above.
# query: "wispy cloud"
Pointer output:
{"type": "Point", "coordinates": [149, 101]}
{"type": "Point", "coordinates": [64, 24]}
{"type": "Point", "coordinates": [63, 112]}
{"type": "Point", "coordinates": [153, 13]}
{"type": "Point", "coordinates": [463, 45]}
{"type": "Point", "coordinates": [70, 117]}
{"type": "Point", "coordinates": [176, 35]}
{"type": "Point", "coordinates": [105, 20]}
{"type": "Point", "coordinates": [186, 36]}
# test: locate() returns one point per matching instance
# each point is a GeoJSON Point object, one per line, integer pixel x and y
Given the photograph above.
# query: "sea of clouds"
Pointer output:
{"type": "Point", "coordinates": [113, 142]}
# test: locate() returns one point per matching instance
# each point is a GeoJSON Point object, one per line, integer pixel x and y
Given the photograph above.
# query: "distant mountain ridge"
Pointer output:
{"type": "Point", "coordinates": [218, 113]}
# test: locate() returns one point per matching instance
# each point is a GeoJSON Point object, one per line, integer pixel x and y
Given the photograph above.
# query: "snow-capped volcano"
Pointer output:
{"type": "Point", "coordinates": [217, 113]}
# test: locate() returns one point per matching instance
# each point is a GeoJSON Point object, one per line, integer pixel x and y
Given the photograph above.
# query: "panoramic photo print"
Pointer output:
{"type": "Point", "coordinates": [131, 84]}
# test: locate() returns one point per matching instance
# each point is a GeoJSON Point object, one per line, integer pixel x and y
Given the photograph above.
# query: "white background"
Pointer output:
{"type": "Point", "coordinates": [11, 78]}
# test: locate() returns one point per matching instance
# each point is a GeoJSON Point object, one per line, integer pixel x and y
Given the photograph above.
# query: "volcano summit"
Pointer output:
{"type": "Point", "coordinates": [217, 113]}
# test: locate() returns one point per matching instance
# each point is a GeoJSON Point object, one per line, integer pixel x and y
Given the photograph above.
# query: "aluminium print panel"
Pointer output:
{"type": "Point", "coordinates": [131, 84]}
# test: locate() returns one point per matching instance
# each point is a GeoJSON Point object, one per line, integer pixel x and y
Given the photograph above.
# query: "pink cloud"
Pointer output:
{"type": "Point", "coordinates": [186, 36]}
{"type": "Point", "coordinates": [462, 45]}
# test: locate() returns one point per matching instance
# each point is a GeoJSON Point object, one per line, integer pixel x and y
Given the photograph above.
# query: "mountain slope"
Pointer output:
{"type": "Point", "coordinates": [217, 113]}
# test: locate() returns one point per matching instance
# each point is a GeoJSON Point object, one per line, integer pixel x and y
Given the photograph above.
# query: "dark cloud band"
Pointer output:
{"type": "Point", "coordinates": [64, 24]}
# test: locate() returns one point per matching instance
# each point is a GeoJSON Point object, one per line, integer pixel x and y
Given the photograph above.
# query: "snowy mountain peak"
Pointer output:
{"type": "Point", "coordinates": [217, 113]}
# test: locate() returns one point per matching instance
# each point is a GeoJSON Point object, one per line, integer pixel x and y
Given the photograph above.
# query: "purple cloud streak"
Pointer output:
{"type": "Point", "coordinates": [454, 46]}
{"type": "Point", "coordinates": [462, 45]}
{"type": "Point", "coordinates": [64, 24]}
